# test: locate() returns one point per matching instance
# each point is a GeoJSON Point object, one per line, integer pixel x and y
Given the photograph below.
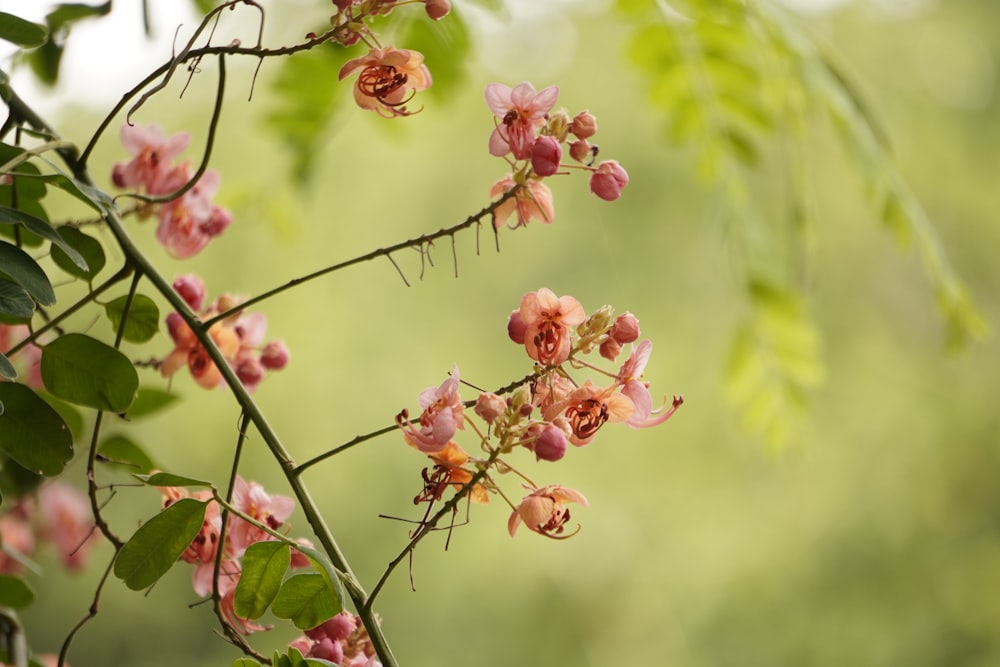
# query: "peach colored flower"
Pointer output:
{"type": "Point", "coordinates": [67, 521]}
{"type": "Point", "coordinates": [388, 80]}
{"type": "Point", "coordinates": [449, 471]}
{"type": "Point", "coordinates": [522, 112]}
{"type": "Point", "coordinates": [152, 153]}
{"type": "Point", "coordinates": [548, 325]}
{"type": "Point", "coordinates": [532, 202]}
{"type": "Point", "coordinates": [18, 539]}
{"type": "Point", "coordinates": [188, 351]}
{"type": "Point", "coordinates": [270, 510]}
{"type": "Point", "coordinates": [587, 408]}
{"type": "Point", "coordinates": [188, 223]}
{"type": "Point", "coordinates": [443, 414]}
{"type": "Point", "coordinates": [544, 511]}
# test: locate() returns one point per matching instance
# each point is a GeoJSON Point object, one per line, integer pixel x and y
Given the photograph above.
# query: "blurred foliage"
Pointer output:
{"type": "Point", "coordinates": [876, 544]}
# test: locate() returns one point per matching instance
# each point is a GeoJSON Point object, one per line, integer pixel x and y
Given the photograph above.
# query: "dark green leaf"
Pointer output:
{"type": "Point", "coordinates": [167, 479]}
{"type": "Point", "coordinates": [69, 412]}
{"type": "Point", "coordinates": [121, 451]}
{"type": "Point", "coordinates": [15, 300]}
{"type": "Point", "coordinates": [87, 246]}
{"type": "Point", "coordinates": [85, 371]}
{"type": "Point", "coordinates": [158, 543]}
{"type": "Point", "coordinates": [150, 401]}
{"type": "Point", "coordinates": [37, 226]}
{"type": "Point", "coordinates": [264, 566]}
{"type": "Point", "coordinates": [306, 600]}
{"type": "Point", "coordinates": [143, 318]}
{"type": "Point", "coordinates": [15, 592]}
{"type": "Point", "coordinates": [65, 14]}
{"type": "Point", "coordinates": [97, 199]}
{"type": "Point", "coordinates": [6, 368]}
{"type": "Point", "coordinates": [25, 34]}
{"type": "Point", "coordinates": [31, 432]}
{"type": "Point", "coordinates": [19, 266]}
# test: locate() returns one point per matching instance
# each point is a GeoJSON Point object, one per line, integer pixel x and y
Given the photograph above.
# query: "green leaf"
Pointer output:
{"type": "Point", "coordinates": [245, 662]}
{"type": "Point", "coordinates": [37, 226]}
{"type": "Point", "coordinates": [25, 34]}
{"type": "Point", "coordinates": [168, 479]}
{"type": "Point", "coordinates": [45, 61]}
{"type": "Point", "coordinates": [143, 318]}
{"type": "Point", "coordinates": [31, 432]}
{"type": "Point", "coordinates": [69, 412]}
{"type": "Point", "coordinates": [303, 110]}
{"type": "Point", "coordinates": [20, 267]}
{"type": "Point", "coordinates": [15, 592]}
{"type": "Point", "coordinates": [15, 300]}
{"type": "Point", "coordinates": [123, 452]}
{"type": "Point", "coordinates": [87, 246]}
{"type": "Point", "coordinates": [445, 47]}
{"type": "Point", "coordinates": [158, 543]}
{"type": "Point", "coordinates": [7, 370]}
{"type": "Point", "coordinates": [93, 197]}
{"type": "Point", "coordinates": [306, 600]}
{"type": "Point", "coordinates": [85, 371]}
{"type": "Point", "coordinates": [150, 401]}
{"type": "Point", "coordinates": [264, 567]}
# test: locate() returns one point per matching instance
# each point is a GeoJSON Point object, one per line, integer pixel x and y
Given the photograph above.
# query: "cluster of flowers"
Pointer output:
{"type": "Point", "coordinates": [28, 358]}
{"type": "Point", "coordinates": [188, 221]}
{"type": "Point", "coordinates": [531, 139]}
{"type": "Point", "coordinates": [544, 415]}
{"type": "Point", "coordinates": [251, 499]}
{"type": "Point", "coordinates": [342, 640]}
{"type": "Point", "coordinates": [57, 513]}
{"type": "Point", "coordinates": [387, 77]}
{"type": "Point", "coordinates": [240, 338]}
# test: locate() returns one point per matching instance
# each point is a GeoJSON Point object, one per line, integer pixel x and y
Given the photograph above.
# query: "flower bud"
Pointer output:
{"type": "Point", "coordinates": [274, 356]}
{"type": "Point", "coordinates": [192, 290]}
{"type": "Point", "coordinates": [550, 445]}
{"type": "Point", "coordinates": [340, 626]}
{"type": "Point", "coordinates": [327, 649]}
{"type": "Point", "coordinates": [516, 327]}
{"type": "Point", "coordinates": [437, 9]}
{"type": "Point", "coordinates": [626, 328]}
{"type": "Point", "coordinates": [546, 153]}
{"type": "Point", "coordinates": [608, 180]}
{"type": "Point", "coordinates": [610, 349]}
{"type": "Point", "coordinates": [218, 221]}
{"type": "Point", "coordinates": [581, 150]}
{"type": "Point", "coordinates": [250, 371]}
{"type": "Point", "coordinates": [584, 125]}
{"type": "Point", "coordinates": [489, 407]}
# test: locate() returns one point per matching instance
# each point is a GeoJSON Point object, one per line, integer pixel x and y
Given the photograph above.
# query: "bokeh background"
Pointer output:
{"type": "Point", "coordinates": [871, 539]}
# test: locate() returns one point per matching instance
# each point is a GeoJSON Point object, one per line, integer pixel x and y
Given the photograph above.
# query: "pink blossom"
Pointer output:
{"type": "Point", "coordinates": [192, 290]}
{"type": "Point", "coordinates": [251, 499]}
{"type": "Point", "coordinates": [532, 202]}
{"type": "Point", "coordinates": [28, 358]}
{"type": "Point", "coordinates": [522, 112]}
{"type": "Point", "coordinates": [189, 222]}
{"type": "Point", "coordinates": [582, 150]}
{"type": "Point", "coordinates": [274, 356]}
{"type": "Point", "coordinates": [546, 155]}
{"type": "Point", "coordinates": [549, 322]}
{"type": "Point", "coordinates": [544, 510]}
{"type": "Point", "coordinates": [388, 79]}
{"type": "Point", "coordinates": [18, 539]}
{"type": "Point", "coordinates": [589, 407]}
{"type": "Point", "coordinates": [67, 521]}
{"type": "Point", "coordinates": [630, 379]}
{"type": "Point", "coordinates": [437, 9]}
{"type": "Point", "coordinates": [548, 441]}
{"type": "Point", "coordinates": [442, 415]}
{"type": "Point", "coordinates": [584, 125]}
{"type": "Point", "coordinates": [152, 153]}
{"type": "Point", "coordinates": [489, 407]}
{"type": "Point", "coordinates": [608, 180]}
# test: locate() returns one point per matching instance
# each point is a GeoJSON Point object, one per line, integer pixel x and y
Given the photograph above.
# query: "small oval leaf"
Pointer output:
{"type": "Point", "coordinates": [120, 451]}
{"type": "Point", "coordinates": [149, 401]}
{"type": "Point", "coordinates": [167, 479]}
{"type": "Point", "coordinates": [38, 227]}
{"type": "Point", "coordinates": [143, 318]}
{"type": "Point", "coordinates": [85, 371]}
{"type": "Point", "coordinates": [158, 543]}
{"type": "Point", "coordinates": [31, 432]}
{"type": "Point", "coordinates": [306, 600]}
{"type": "Point", "coordinates": [87, 246]}
{"type": "Point", "coordinates": [264, 567]}
{"type": "Point", "coordinates": [23, 270]}
{"type": "Point", "coordinates": [15, 592]}
{"type": "Point", "coordinates": [15, 300]}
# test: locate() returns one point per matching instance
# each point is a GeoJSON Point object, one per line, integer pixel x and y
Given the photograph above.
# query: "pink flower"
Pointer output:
{"type": "Point", "coordinates": [152, 153]}
{"type": "Point", "coordinates": [608, 180]}
{"type": "Point", "coordinates": [67, 521]}
{"type": "Point", "coordinates": [584, 125]}
{"type": "Point", "coordinates": [630, 379]}
{"type": "Point", "coordinates": [547, 441]}
{"type": "Point", "coordinates": [489, 407]}
{"type": "Point", "coordinates": [587, 408]}
{"type": "Point", "coordinates": [532, 202]}
{"type": "Point", "coordinates": [522, 112]}
{"type": "Point", "coordinates": [18, 539]}
{"type": "Point", "coordinates": [442, 415]}
{"type": "Point", "coordinates": [192, 290]}
{"type": "Point", "coordinates": [251, 499]}
{"type": "Point", "coordinates": [548, 325]}
{"type": "Point", "coordinates": [274, 356]}
{"type": "Point", "coordinates": [28, 358]}
{"type": "Point", "coordinates": [189, 222]}
{"type": "Point", "coordinates": [437, 9]}
{"type": "Point", "coordinates": [388, 80]}
{"type": "Point", "coordinates": [188, 351]}
{"type": "Point", "coordinates": [544, 511]}
{"type": "Point", "coordinates": [546, 154]}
